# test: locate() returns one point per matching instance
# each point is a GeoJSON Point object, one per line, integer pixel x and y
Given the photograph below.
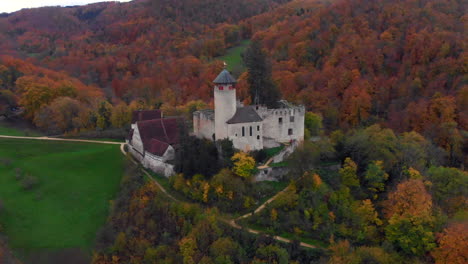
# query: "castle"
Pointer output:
{"type": "Point", "coordinates": [153, 139]}
{"type": "Point", "coordinates": [251, 127]}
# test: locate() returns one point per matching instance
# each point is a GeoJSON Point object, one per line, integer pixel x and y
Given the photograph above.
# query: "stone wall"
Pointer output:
{"type": "Point", "coordinates": [157, 165]}
{"type": "Point", "coordinates": [153, 162]}
{"type": "Point", "coordinates": [247, 141]}
{"type": "Point", "coordinates": [271, 174]}
{"type": "Point", "coordinates": [203, 125]}
{"type": "Point", "coordinates": [137, 143]}
{"type": "Point", "coordinates": [283, 124]}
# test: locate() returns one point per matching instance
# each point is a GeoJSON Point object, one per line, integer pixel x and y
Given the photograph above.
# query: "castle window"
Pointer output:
{"type": "Point", "coordinates": [291, 119]}
{"type": "Point", "coordinates": [243, 131]}
{"type": "Point", "coordinates": [290, 131]}
{"type": "Point", "coordinates": [258, 137]}
{"type": "Point", "coordinates": [258, 128]}
{"type": "Point", "coordinates": [280, 120]}
{"type": "Point", "coordinates": [250, 130]}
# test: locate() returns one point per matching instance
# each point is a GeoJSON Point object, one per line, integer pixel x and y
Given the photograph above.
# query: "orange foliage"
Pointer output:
{"type": "Point", "coordinates": [453, 245]}
{"type": "Point", "coordinates": [409, 199]}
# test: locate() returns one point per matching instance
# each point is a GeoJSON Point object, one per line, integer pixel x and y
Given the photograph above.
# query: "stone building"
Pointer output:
{"type": "Point", "coordinates": [249, 127]}
{"type": "Point", "coordinates": [152, 140]}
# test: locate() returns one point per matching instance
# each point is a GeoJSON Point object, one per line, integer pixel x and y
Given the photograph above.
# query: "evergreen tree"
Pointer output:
{"type": "Point", "coordinates": [262, 89]}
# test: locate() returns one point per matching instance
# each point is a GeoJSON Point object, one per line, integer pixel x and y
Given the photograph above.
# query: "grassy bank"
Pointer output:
{"type": "Point", "coordinates": [56, 194]}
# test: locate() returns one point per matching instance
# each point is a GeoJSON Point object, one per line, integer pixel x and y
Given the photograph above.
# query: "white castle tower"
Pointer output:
{"type": "Point", "coordinates": [225, 102]}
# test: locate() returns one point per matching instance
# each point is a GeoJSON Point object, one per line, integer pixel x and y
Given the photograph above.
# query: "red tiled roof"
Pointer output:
{"type": "Point", "coordinates": [143, 115]}
{"type": "Point", "coordinates": [164, 130]}
{"type": "Point", "coordinates": [157, 147]}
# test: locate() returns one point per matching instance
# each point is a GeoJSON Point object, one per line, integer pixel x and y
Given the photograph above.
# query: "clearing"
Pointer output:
{"type": "Point", "coordinates": [233, 57]}
{"type": "Point", "coordinates": [71, 184]}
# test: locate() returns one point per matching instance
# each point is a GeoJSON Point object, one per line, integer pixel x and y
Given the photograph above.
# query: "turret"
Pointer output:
{"type": "Point", "coordinates": [225, 102]}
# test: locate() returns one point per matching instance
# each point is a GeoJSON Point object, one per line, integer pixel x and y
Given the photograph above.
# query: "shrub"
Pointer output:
{"type": "Point", "coordinates": [18, 173]}
{"type": "Point", "coordinates": [29, 182]}
{"type": "Point", "coordinates": [6, 162]}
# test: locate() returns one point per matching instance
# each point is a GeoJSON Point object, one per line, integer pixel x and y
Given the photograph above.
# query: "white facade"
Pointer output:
{"type": "Point", "coordinates": [283, 124]}
{"type": "Point", "coordinates": [247, 128]}
{"type": "Point", "coordinates": [137, 143]}
{"type": "Point", "coordinates": [150, 161]}
{"type": "Point", "coordinates": [225, 108]}
{"type": "Point", "coordinates": [246, 136]}
{"type": "Point", "coordinates": [153, 162]}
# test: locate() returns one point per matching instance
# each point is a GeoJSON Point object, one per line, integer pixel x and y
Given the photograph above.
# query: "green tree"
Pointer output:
{"type": "Point", "coordinates": [372, 143]}
{"type": "Point", "coordinates": [262, 89]}
{"type": "Point", "coordinates": [348, 173]}
{"type": "Point", "coordinates": [224, 248]}
{"type": "Point", "coordinates": [449, 187]}
{"type": "Point", "coordinates": [272, 254]}
{"type": "Point", "coordinates": [412, 235]}
{"type": "Point", "coordinates": [414, 150]}
{"type": "Point", "coordinates": [120, 116]}
{"type": "Point", "coordinates": [375, 178]}
{"type": "Point", "coordinates": [313, 123]}
{"type": "Point", "coordinates": [7, 101]}
{"type": "Point", "coordinates": [188, 248]}
{"type": "Point", "coordinates": [104, 113]}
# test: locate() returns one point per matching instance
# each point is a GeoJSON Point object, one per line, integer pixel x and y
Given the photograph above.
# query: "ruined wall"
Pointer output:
{"type": "Point", "coordinates": [283, 124]}
{"type": "Point", "coordinates": [247, 141]}
{"type": "Point", "coordinates": [203, 125]}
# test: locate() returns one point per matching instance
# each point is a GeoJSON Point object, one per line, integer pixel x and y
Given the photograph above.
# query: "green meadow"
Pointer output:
{"type": "Point", "coordinates": [56, 195]}
{"type": "Point", "coordinates": [233, 57]}
{"type": "Point", "coordinates": [9, 130]}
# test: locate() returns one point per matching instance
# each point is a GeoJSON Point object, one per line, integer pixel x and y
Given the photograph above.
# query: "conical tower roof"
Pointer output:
{"type": "Point", "coordinates": [224, 78]}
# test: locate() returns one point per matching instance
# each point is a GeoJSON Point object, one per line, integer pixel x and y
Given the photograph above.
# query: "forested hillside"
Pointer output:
{"type": "Point", "coordinates": [397, 63]}
{"type": "Point", "coordinates": [141, 48]}
{"type": "Point", "coordinates": [139, 54]}
{"type": "Point", "coordinates": [379, 178]}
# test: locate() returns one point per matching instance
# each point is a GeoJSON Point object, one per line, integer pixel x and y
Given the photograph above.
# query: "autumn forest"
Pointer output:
{"type": "Point", "coordinates": [380, 177]}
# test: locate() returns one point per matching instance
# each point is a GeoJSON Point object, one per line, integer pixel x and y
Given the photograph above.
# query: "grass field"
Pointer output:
{"type": "Point", "coordinates": [233, 57]}
{"type": "Point", "coordinates": [70, 202]}
{"type": "Point", "coordinates": [7, 129]}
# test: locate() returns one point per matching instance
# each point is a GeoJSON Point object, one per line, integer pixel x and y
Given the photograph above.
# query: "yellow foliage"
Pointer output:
{"type": "Point", "coordinates": [248, 202]}
{"type": "Point", "coordinates": [298, 231]}
{"type": "Point", "coordinates": [219, 189]}
{"type": "Point", "coordinates": [206, 190]}
{"type": "Point", "coordinates": [274, 214]}
{"type": "Point", "coordinates": [414, 174]}
{"type": "Point", "coordinates": [244, 164]}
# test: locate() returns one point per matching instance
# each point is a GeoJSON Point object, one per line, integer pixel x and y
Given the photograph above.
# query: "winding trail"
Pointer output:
{"type": "Point", "coordinates": [231, 222]}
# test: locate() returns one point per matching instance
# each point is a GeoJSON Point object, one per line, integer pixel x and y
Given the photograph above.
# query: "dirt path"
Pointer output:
{"type": "Point", "coordinates": [64, 139]}
{"type": "Point", "coordinates": [262, 206]}
{"type": "Point", "coordinates": [231, 222]}
{"type": "Point", "coordinates": [122, 145]}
